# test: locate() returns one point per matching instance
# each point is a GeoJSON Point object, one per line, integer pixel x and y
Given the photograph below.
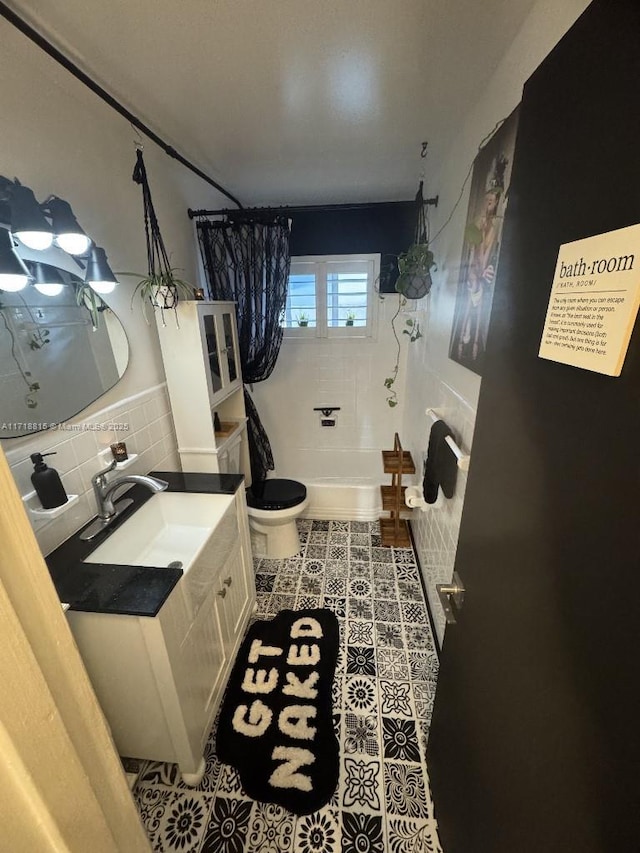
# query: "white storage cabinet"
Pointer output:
{"type": "Point", "coordinates": [202, 365]}
{"type": "Point", "coordinates": [160, 679]}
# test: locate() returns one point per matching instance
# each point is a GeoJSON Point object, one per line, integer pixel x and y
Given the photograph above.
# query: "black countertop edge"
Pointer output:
{"type": "Point", "coordinates": [120, 589]}
{"type": "Point", "coordinates": [215, 484]}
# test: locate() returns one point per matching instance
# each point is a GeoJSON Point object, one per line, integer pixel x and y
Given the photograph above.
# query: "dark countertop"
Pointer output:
{"type": "Point", "coordinates": [128, 590]}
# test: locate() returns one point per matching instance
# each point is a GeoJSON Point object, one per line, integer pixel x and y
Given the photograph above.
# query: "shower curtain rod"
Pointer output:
{"type": "Point", "coordinates": [38, 39]}
{"type": "Point", "coordinates": [309, 208]}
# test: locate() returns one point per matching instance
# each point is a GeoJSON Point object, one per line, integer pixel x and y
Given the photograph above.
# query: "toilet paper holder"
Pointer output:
{"type": "Point", "coordinates": [414, 498]}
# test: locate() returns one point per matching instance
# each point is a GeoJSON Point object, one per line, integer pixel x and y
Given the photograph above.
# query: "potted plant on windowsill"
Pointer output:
{"type": "Point", "coordinates": [350, 318]}
{"type": "Point", "coordinates": [303, 319]}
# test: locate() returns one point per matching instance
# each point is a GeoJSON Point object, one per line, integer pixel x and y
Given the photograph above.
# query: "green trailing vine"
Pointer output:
{"type": "Point", "coordinates": [32, 387]}
{"type": "Point", "coordinates": [87, 298]}
{"type": "Point", "coordinates": [414, 333]}
{"type": "Point", "coordinates": [39, 339]}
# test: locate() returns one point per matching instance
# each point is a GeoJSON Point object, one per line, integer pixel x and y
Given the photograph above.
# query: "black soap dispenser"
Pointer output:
{"type": "Point", "coordinates": [47, 483]}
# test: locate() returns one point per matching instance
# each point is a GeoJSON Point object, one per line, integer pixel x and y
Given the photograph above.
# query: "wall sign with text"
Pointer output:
{"type": "Point", "coordinates": [594, 302]}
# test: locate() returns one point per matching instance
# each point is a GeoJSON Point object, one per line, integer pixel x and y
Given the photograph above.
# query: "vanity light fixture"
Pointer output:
{"type": "Point", "coordinates": [98, 274]}
{"type": "Point", "coordinates": [37, 226]}
{"type": "Point", "coordinates": [28, 222]}
{"type": "Point", "coordinates": [68, 234]}
{"type": "Point", "coordinates": [13, 273]}
{"type": "Point", "coordinates": [46, 279]}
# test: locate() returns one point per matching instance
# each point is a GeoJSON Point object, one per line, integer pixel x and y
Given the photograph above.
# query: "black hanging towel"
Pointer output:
{"type": "Point", "coordinates": [441, 465]}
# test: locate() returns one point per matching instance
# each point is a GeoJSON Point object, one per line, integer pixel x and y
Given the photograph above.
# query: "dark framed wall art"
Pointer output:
{"type": "Point", "coordinates": [481, 246]}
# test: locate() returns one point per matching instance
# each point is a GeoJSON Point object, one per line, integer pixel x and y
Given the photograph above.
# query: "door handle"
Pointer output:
{"type": "Point", "coordinates": [448, 593]}
{"type": "Point", "coordinates": [222, 592]}
{"type": "Point", "coordinates": [228, 581]}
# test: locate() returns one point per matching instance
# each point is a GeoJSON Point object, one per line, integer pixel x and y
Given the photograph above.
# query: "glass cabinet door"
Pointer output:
{"type": "Point", "coordinates": [220, 347]}
{"type": "Point", "coordinates": [213, 355]}
{"type": "Point", "coordinates": [229, 346]}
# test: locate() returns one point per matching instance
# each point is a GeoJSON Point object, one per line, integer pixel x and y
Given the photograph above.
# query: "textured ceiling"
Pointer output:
{"type": "Point", "coordinates": [292, 101]}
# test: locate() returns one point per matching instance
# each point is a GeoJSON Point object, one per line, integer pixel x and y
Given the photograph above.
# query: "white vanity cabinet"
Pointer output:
{"type": "Point", "coordinates": [202, 365]}
{"type": "Point", "coordinates": [160, 679]}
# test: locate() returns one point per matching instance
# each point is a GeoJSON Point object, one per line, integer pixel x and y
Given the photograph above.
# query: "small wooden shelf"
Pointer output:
{"type": "Point", "coordinates": [394, 531]}
{"type": "Point", "coordinates": [389, 497]}
{"type": "Point", "coordinates": [226, 428]}
{"type": "Point", "coordinates": [391, 462]}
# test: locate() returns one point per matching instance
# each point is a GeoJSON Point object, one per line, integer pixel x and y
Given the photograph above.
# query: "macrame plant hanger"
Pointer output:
{"type": "Point", "coordinates": [161, 286]}
{"type": "Point", "coordinates": [416, 263]}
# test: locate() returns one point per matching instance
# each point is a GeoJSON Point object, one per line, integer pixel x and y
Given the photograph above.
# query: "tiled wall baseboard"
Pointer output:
{"type": "Point", "coordinates": [143, 421]}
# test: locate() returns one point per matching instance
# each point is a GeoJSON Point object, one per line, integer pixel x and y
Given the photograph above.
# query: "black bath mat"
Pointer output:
{"type": "Point", "coordinates": [276, 724]}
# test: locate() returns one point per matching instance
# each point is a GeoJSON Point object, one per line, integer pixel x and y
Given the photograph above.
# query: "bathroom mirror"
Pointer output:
{"type": "Point", "coordinates": [56, 356]}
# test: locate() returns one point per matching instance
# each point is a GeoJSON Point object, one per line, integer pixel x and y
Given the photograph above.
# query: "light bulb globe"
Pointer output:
{"type": "Point", "coordinates": [12, 283]}
{"type": "Point", "coordinates": [53, 289]}
{"type": "Point", "coordinates": [102, 287]}
{"type": "Point", "coordinates": [38, 240]}
{"type": "Point", "coordinates": [73, 244]}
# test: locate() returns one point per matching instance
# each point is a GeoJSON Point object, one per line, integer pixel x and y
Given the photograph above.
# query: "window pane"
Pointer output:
{"type": "Point", "coordinates": [347, 298]}
{"type": "Point", "coordinates": [300, 307]}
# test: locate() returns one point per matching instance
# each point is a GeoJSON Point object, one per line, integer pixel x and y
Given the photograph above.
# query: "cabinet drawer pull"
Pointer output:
{"type": "Point", "coordinates": [229, 581]}
{"type": "Point", "coordinates": [222, 592]}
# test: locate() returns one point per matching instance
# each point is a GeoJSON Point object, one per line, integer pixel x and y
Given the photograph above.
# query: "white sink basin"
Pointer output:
{"type": "Point", "coordinates": [171, 527]}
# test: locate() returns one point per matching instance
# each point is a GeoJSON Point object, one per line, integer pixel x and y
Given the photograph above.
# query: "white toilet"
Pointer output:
{"type": "Point", "coordinates": [273, 511]}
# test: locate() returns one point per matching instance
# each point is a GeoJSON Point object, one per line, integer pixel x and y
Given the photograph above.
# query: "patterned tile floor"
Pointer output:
{"type": "Point", "coordinates": [383, 696]}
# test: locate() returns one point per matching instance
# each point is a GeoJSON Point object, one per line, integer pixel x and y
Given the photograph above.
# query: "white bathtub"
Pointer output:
{"type": "Point", "coordinates": [355, 499]}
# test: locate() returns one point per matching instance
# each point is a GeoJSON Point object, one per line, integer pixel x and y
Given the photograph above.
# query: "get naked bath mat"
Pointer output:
{"type": "Point", "coordinates": [276, 725]}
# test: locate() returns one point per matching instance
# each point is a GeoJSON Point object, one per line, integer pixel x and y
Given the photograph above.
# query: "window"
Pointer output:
{"type": "Point", "coordinates": [331, 296]}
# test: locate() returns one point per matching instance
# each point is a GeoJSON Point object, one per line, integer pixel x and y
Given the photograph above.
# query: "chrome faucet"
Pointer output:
{"type": "Point", "coordinates": [104, 491]}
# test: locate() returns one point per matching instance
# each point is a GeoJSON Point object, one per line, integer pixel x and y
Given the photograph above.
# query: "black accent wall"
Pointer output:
{"type": "Point", "coordinates": [387, 228]}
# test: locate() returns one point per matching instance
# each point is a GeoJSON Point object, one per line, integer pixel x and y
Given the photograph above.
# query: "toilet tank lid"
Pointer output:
{"type": "Point", "coordinates": [277, 494]}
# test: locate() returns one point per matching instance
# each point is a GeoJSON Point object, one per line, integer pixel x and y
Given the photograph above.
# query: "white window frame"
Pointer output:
{"type": "Point", "coordinates": [322, 330]}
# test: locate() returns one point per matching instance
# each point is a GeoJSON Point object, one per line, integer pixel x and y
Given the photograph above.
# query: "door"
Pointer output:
{"type": "Point", "coordinates": [211, 339]}
{"type": "Point", "coordinates": [230, 349]}
{"type": "Point", "coordinates": [220, 342]}
{"type": "Point", "coordinates": [235, 593]}
{"type": "Point", "coordinates": [534, 744]}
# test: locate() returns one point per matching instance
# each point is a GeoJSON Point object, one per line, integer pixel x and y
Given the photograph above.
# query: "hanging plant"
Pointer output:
{"type": "Point", "coordinates": [414, 282]}
{"type": "Point", "coordinates": [415, 267]}
{"type": "Point", "coordinates": [160, 287]}
{"type": "Point", "coordinates": [30, 398]}
{"type": "Point", "coordinates": [87, 298]}
{"type": "Point", "coordinates": [160, 291]}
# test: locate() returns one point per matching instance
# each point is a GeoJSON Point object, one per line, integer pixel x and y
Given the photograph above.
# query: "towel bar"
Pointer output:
{"type": "Point", "coordinates": [463, 458]}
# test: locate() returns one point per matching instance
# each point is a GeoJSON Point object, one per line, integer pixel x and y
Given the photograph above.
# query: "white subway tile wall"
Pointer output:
{"type": "Point", "coordinates": [143, 422]}
{"type": "Point", "coordinates": [347, 373]}
{"type": "Point", "coordinates": [436, 531]}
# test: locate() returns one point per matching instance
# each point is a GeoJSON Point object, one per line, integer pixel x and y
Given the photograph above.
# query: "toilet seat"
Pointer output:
{"type": "Point", "coordinates": [277, 494]}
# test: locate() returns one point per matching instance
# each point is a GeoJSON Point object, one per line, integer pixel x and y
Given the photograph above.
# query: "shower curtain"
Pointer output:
{"type": "Point", "coordinates": [248, 262]}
